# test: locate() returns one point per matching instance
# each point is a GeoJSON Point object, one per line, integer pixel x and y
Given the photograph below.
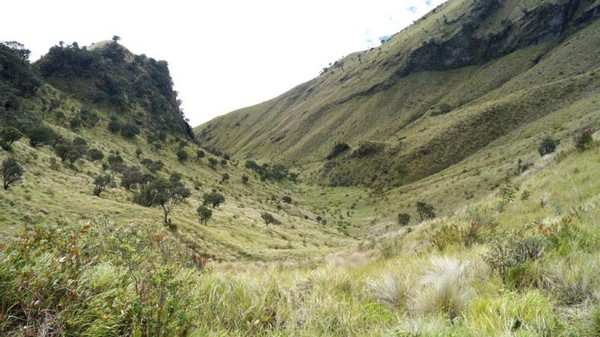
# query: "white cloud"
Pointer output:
{"type": "Point", "coordinates": [223, 55]}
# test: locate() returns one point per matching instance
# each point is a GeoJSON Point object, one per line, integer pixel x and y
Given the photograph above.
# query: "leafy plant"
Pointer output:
{"type": "Point", "coordinates": [425, 210]}
{"type": "Point", "coordinates": [12, 172]}
{"type": "Point", "coordinates": [583, 139]}
{"type": "Point", "coordinates": [547, 145]}
{"type": "Point", "coordinates": [204, 214]}
{"type": "Point", "coordinates": [403, 219]}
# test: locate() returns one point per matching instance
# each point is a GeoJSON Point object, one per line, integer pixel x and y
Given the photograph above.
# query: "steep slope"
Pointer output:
{"type": "Point", "coordinates": [463, 76]}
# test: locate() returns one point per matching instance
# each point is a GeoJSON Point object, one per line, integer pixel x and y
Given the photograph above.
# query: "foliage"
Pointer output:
{"type": "Point", "coordinates": [287, 199]}
{"type": "Point", "coordinates": [204, 214]}
{"type": "Point", "coordinates": [224, 177]}
{"type": "Point", "coordinates": [129, 130]}
{"type": "Point", "coordinates": [164, 193]}
{"type": "Point", "coordinates": [199, 154]}
{"type": "Point", "coordinates": [212, 163]}
{"type": "Point", "coordinates": [269, 219]}
{"type": "Point", "coordinates": [182, 155]}
{"type": "Point", "coordinates": [152, 166]}
{"type": "Point", "coordinates": [584, 138]}
{"type": "Point", "coordinates": [403, 219]}
{"type": "Point", "coordinates": [95, 154]}
{"type": "Point", "coordinates": [213, 198]}
{"type": "Point", "coordinates": [425, 210]}
{"type": "Point", "coordinates": [9, 135]}
{"type": "Point", "coordinates": [40, 135]}
{"type": "Point", "coordinates": [114, 126]}
{"type": "Point", "coordinates": [12, 172]}
{"type": "Point", "coordinates": [268, 172]}
{"type": "Point", "coordinates": [338, 149]}
{"type": "Point", "coordinates": [100, 183]}
{"type": "Point", "coordinates": [133, 177]}
{"type": "Point", "coordinates": [547, 145]}
{"type": "Point", "coordinates": [507, 194]}
{"type": "Point", "coordinates": [245, 179]}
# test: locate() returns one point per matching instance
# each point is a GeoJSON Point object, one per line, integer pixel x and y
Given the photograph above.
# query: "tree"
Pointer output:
{"type": "Point", "coordinates": [100, 183]}
{"type": "Point", "coordinates": [9, 135]}
{"type": "Point", "coordinates": [212, 163]}
{"type": "Point", "coordinates": [213, 198]}
{"type": "Point", "coordinates": [225, 177]}
{"type": "Point", "coordinates": [584, 139]}
{"type": "Point", "coordinates": [287, 199]}
{"type": "Point", "coordinates": [204, 214]}
{"type": "Point", "coordinates": [547, 145]}
{"type": "Point", "coordinates": [12, 172]}
{"type": "Point", "coordinates": [164, 193]}
{"type": "Point", "coordinates": [116, 38]}
{"type": "Point", "coordinates": [66, 151]}
{"type": "Point", "coordinates": [19, 49]}
{"type": "Point", "coordinates": [199, 154]}
{"type": "Point", "coordinates": [269, 219]}
{"type": "Point", "coordinates": [132, 176]}
{"type": "Point", "coordinates": [129, 130]}
{"type": "Point", "coordinates": [95, 154]}
{"type": "Point", "coordinates": [425, 210]}
{"type": "Point", "coordinates": [40, 135]}
{"type": "Point", "coordinates": [403, 219]}
{"type": "Point", "coordinates": [245, 179]}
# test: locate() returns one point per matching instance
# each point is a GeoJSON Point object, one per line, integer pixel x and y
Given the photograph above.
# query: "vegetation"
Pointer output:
{"type": "Point", "coordinates": [214, 199]}
{"type": "Point", "coordinates": [425, 210]}
{"type": "Point", "coordinates": [9, 135]}
{"type": "Point", "coordinates": [269, 219]}
{"type": "Point", "coordinates": [100, 183]}
{"type": "Point", "coordinates": [403, 219]}
{"type": "Point", "coordinates": [204, 214]}
{"type": "Point", "coordinates": [547, 145]}
{"type": "Point", "coordinates": [12, 172]}
{"type": "Point", "coordinates": [164, 193]}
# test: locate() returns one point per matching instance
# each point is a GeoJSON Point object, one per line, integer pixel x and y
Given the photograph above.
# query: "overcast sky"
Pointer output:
{"type": "Point", "coordinates": [225, 54]}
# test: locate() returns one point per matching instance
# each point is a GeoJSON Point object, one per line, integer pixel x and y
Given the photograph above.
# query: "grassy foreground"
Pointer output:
{"type": "Point", "coordinates": [523, 262]}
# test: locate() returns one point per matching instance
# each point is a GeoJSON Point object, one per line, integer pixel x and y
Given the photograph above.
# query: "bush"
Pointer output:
{"type": "Point", "coordinates": [182, 156]}
{"type": "Point", "coordinates": [425, 210]}
{"type": "Point", "coordinates": [114, 126]}
{"type": "Point", "coordinates": [214, 199]}
{"type": "Point", "coordinates": [9, 135]}
{"type": "Point", "coordinates": [245, 179]}
{"type": "Point", "coordinates": [100, 183]}
{"type": "Point", "coordinates": [225, 177]}
{"type": "Point", "coordinates": [547, 145]}
{"type": "Point", "coordinates": [12, 172]}
{"type": "Point", "coordinates": [584, 139]}
{"type": "Point", "coordinates": [286, 199]}
{"type": "Point", "coordinates": [199, 154]}
{"type": "Point", "coordinates": [338, 149]}
{"type": "Point", "coordinates": [204, 214]}
{"type": "Point", "coordinates": [269, 219]}
{"type": "Point", "coordinates": [390, 289]}
{"type": "Point", "coordinates": [129, 130]}
{"type": "Point", "coordinates": [403, 219]}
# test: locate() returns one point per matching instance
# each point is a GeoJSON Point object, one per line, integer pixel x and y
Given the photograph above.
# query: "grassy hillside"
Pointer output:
{"type": "Point", "coordinates": [438, 92]}
{"type": "Point", "coordinates": [508, 265]}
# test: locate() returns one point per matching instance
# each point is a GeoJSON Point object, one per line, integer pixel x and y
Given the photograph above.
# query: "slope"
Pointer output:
{"type": "Point", "coordinates": [463, 76]}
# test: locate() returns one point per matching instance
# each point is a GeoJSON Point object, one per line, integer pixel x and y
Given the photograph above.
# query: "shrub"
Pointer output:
{"type": "Point", "coordinates": [584, 139]}
{"type": "Point", "coordinates": [338, 149]}
{"type": "Point", "coordinates": [182, 155]}
{"type": "Point", "coordinates": [114, 126]}
{"type": "Point", "coordinates": [204, 214]}
{"type": "Point", "coordinates": [224, 177]}
{"type": "Point", "coordinates": [269, 219]}
{"type": "Point", "coordinates": [425, 210]}
{"type": "Point", "coordinates": [213, 198]}
{"type": "Point", "coordinates": [391, 289]}
{"type": "Point", "coordinates": [245, 179]}
{"type": "Point", "coordinates": [547, 145]}
{"type": "Point", "coordinates": [9, 135]}
{"type": "Point", "coordinates": [12, 172]}
{"type": "Point", "coordinates": [199, 154]}
{"type": "Point", "coordinates": [287, 199]}
{"type": "Point", "coordinates": [212, 163]}
{"type": "Point", "coordinates": [403, 219]}
{"type": "Point", "coordinates": [100, 183]}
{"type": "Point", "coordinates": [95, 154]}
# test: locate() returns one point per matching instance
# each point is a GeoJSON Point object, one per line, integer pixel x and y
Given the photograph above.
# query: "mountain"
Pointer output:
{"type": "Point", "coordinates": [456, 82]}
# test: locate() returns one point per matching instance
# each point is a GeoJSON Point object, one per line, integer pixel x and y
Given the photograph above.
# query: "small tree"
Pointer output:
{"type": "Point", "coordinates": [132, 176]}
{"type": "Point", "coordinates": [287, 199]}
{"type": "Point", "coordinates": [269, 219]}
{"type": "Point", "coordinates": [39, 135]}
{"type": "Point", "coordinates": [129, 130]}
{"type": "Point", "coordinates": [245, 179]}
{"type": "Point", "coordinates": [204, 213]}
{"type": "Point", "coordinates": [164, 193]}
{"type": "Point", "coordinates": [547, 145]}
{"type": "Point", "coordinates": [225, 177]}
{"type": "Point", "coordinates": [9, 135]}
{"type": "Point", "coordinates": [199, 154]}
{"type": "Point", "coordinates": [12, 172]}
{"type": "Point", "coordinates": [95, 154]}
{"type": "Point", "coordinates": [212, 163]}
{"type": "Point", "coordinates": [403, 219]}
{"type": "Point", "coordinates": [425, 210]}
{"type": "Point", "coordinates": [100, 183]}
{"type": "Point", "coordinates": [213, 198]}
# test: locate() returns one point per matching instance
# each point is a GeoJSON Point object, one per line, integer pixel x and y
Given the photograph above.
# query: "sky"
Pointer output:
{"type": "Point", "coordinates": [223, 55]}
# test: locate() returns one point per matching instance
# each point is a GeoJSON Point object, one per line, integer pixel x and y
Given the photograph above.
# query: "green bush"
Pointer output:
{"type": "Point", "coordinates": [403, 219]}
{"type": "Point", "coordinates": [584, 139]}
{"type": "Point", "coordinates": [547, 145]}
{"type": "Point", "coordinates": [12, 172]}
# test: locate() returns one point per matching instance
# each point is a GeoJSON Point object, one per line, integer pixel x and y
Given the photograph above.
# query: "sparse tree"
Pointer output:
{"type": "Point", "coordinates": [9, 135]}
{"type": "Point", "coordinates": [204, 213]}
{"type": "Point", "coordinates": [12, 172]}
{"type": "Point", "coordinates": [213, 198]}
{"type": "Point", "coordinates": [269, 219]}
{"type": "Point", "coordinates": [100, 183]}
{"type": "Point", "coordinates": [164, 193]}
{"type": "Point", "coordinates": [425, 210]}
{"type": "Point", "coordinates": [403, 219]}
{"type": "Point", "coordinates": [132, 177]}
{"type": "Point", "coordinates": [116, 38]}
